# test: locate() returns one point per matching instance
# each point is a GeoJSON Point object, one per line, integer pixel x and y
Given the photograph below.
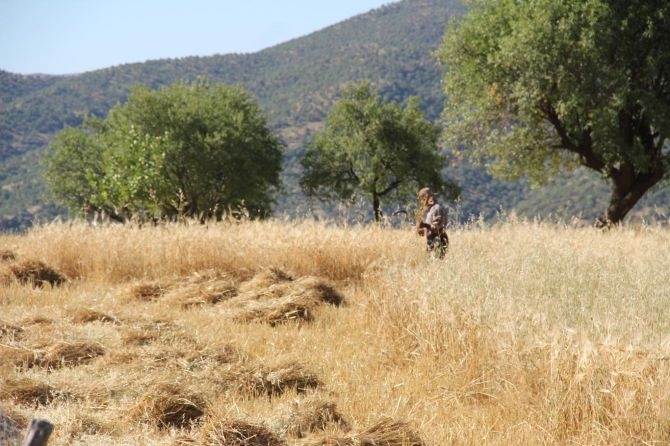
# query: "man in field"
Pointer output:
{"type": "Point", "coordinates": [432, 223]}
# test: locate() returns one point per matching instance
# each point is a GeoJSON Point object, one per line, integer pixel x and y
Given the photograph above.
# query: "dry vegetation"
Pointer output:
{"type": "Point", "coordinates": [303, 333]}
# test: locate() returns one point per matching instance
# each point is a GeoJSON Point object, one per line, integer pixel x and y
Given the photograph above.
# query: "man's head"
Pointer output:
{"type": "Point", "coordinates": [426, 196]}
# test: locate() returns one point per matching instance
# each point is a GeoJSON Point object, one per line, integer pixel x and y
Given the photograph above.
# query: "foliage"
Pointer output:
{"type": "Point", "coordinates": [296, 84]}
{"type": "Point", "coordinates": [196, 150]}
{"type": "Point", "coordinates": [375, 148]}
{"type": "Point", "coordinates": [536, 87]}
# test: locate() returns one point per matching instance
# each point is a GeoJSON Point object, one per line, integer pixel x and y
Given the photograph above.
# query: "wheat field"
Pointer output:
{"type": "Point", "coordinates": [315, 333]}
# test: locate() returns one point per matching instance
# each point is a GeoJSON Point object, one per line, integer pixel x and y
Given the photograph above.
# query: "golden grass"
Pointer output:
{"type": "Point", "coordinates": [526, 333]}
{"type": "Point", "coordinates": [11, 429]}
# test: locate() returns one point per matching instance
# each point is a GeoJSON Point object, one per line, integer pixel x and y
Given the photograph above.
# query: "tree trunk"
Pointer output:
{"type": "Point", "coordinates": [627, 189]}
{"type": "Point", "coordinates": [376, 206]}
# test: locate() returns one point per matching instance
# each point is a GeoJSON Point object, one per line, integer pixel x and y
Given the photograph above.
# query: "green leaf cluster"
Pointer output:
{"type": "Point", "coordinates": [196, 150]}
{"type": "Point", "coordinates": [538, 87]}
{"type": "Point", "coordinates": [375, 148]}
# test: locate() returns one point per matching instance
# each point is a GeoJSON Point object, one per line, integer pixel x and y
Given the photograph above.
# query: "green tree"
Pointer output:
{"type": "Point", "coordinates": [539, 86]}
{"type": "Point", "coordinates": [75, 167]}
{"type": "Point", "coordinates": [375, 148]}
{"type": "Point", "coordinates": [197, 150]}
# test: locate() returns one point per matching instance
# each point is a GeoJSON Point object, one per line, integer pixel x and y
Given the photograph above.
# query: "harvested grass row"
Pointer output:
{"type": "Point", "coordinates": [238, 433]}
{"type": "Point", "coordinates": [61, 354]}
{"type": "Point", "coordinates": [386, 432]}
{"type": "Point", "coordinates": [144, 291]}
{"type": "Point", "coordinates": [285, 301]}
{"type": "Point", "coordinates": [32, 272]}
{"type": "Point", "coordinates": [87, 315]}
{"type": "Point", "coordinates": [167, 405]}
{"type": "Point", "coordinates": [66, 354]}
{"type": "Point", "coordinates": [27, 392]}
{"type": "Point", "coordinates": [263, 380]}
{"type": "Point", "coordinates": [18, 357]}
{"type": "Point", "coordinates": [203, 287]}
{"type": "Point", "coordinates": [271, 296]}
{"type": "Point", "coordinates": [302, 418]}
{"type": "Point", "coordinates": [208, 287]}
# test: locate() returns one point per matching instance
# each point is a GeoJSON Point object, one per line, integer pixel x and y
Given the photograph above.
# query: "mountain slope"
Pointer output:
{"type": "Point", "coordinates": [295, 82]}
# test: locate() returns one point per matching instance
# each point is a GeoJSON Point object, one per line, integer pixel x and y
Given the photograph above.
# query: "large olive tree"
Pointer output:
{"type": "Point", "coordinates": [536, 87]}
{"type": "Point", "coordinates": [196, 150]}
{"type": "Point", "coordinates": [376, 149]}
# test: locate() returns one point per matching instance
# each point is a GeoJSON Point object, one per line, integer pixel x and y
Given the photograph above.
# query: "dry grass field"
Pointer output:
{"type": "Point", "coordinates": [305, 333]}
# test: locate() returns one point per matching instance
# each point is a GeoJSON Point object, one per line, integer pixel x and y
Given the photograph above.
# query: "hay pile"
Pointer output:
{"type": "Point", "coordinates": [238, 433]}
{"type": "Point", "coordinates": [66, 354]}
{"type": "Point", "coordinates": [20, 358]}
{"type": "Point", "coordinates": [34, 273]}
{"type": "Point", "coordinates": [27, 392]}
{"type": "Point", "coordinates": [265, 278]}
{"type": "Point", "coordinates": [309, 416]}
{"type": "Point", "coordinates": [146, 291]}
{"type": "Point", "coordinates": [264, 380]}
{"type": "Point", "coordinates": [86, 315]}
{"type": "Point", "coordinates": [387, 432]}
{"type": "Point", "coordinates": [167, 405]}
{"type": "Point", "coordinates": [273, 297]}
{"type": "Point", "coordinates": [208, 287]}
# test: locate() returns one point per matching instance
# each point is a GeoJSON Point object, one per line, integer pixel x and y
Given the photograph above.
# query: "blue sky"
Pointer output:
{"type": "Point", "coordinates": [74, 36]}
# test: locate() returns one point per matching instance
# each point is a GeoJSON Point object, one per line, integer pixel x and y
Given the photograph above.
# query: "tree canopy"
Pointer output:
{"type": "Point", "coordinates": [374, 148]}
{"type": "Point", "coordinates": [539, 86]}
{"type": "Point", "coordinates": [195, 149]}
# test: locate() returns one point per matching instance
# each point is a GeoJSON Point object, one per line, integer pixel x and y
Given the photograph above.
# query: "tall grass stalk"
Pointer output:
{"type": "Point", "coordinates": [526, 333]}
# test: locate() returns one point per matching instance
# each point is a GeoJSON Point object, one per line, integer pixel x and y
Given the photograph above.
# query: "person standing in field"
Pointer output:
{"type": "Point", "coordinates": [432, 223]}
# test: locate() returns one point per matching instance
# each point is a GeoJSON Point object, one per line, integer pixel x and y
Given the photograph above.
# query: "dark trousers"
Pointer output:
{"type": "Point", "coordinates": [437, 246]}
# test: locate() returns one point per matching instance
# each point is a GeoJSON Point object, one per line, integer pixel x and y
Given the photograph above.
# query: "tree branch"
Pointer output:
{"type": "Point", "coordinates": [585, 146]}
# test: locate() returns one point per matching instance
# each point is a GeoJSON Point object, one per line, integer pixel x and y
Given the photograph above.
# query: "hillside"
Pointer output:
{"type": "Point", "coordinates": [295, 82]}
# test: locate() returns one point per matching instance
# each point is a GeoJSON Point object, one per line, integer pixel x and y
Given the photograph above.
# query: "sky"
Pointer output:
{"type": "Point", "coordinates": [75, 36]}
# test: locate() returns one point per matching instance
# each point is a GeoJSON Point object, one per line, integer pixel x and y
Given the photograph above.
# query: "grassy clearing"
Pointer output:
{"type": "Point", "coordinates": [303, 333]}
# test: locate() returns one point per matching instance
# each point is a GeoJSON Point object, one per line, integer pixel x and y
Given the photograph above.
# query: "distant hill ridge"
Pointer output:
{"type": "Point", "coordinates": [295, 82]}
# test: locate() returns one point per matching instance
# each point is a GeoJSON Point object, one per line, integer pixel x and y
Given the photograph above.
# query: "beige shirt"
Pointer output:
{"type": "Point", "coordinates": [436, 217]}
